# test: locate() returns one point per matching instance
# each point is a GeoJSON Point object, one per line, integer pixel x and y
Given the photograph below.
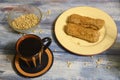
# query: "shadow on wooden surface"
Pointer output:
{"type": "Point", "coordinates": [115, 49]}
{"type": "Point", "coordinates": [9, 48]}
{"type": "Point", "coordinates": [113, 65]}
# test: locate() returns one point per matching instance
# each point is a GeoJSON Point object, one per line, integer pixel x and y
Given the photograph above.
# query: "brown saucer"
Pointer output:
{"type": "Point", "coordinates": [22, 69]}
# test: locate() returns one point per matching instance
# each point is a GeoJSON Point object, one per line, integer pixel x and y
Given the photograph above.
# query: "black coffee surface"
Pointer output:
{"type": "Point", "coordinates": [29, 47]}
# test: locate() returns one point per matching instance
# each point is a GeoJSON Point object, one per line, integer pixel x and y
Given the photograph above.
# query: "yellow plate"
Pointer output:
{"type": "Point", "coordinates": [108, 33]}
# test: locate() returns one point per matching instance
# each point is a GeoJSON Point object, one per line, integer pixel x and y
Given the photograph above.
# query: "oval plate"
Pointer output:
{"type": "Point", "coordinates": [107, 37]}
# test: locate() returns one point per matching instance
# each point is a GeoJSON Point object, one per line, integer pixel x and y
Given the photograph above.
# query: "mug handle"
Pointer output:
{"type": "Point", "coordinates": [46, 42]}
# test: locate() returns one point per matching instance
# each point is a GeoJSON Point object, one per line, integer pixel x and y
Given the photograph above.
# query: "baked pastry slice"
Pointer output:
{"type": "Point", "coordinates": [81, 32]}
{"type": "Point", "coordinates": [87, 22]}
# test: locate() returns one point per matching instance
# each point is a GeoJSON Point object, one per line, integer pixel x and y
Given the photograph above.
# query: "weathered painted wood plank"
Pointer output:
{"type": "Point", "coordinates": [71, 67]}
{"type": "Point", "coordinates": [67, 66]}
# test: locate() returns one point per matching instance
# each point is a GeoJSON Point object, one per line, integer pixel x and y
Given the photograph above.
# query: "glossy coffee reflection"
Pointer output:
{"type": "Point", "coordinates": [30, 48]}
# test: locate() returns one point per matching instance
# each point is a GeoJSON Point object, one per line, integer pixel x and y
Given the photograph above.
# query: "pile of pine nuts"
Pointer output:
{"type": "Point", "coordinates": [25, 21]}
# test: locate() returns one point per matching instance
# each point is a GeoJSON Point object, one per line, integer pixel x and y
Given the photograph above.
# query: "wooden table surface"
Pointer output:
{"type": "Point", "coordinates": [66, 66]}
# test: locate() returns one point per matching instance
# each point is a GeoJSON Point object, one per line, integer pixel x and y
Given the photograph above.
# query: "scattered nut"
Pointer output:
{"type": "Point", "coordinates": [55, 50]}
{"type": "Point", "coordinates": [23, 34]}
{"type": "Point", "coordinates": [33, 31]}
{"type": "Point", "coordinates": [108, 67]}
{"type": "Point", "coordinates": [85, 63]}
{"type": "Point", "coordinates": [48, 12]}
{"type": "Point", "coordinates": [40, 31]}
{"type": "Point", "coordinates": [69, 64]}
{"type": "Point", "coordinates": [91, 57]}
{"type": "Point", "coordinates": [99, 61]}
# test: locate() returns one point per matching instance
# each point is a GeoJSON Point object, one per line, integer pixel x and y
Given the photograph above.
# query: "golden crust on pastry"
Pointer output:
{"type": "Point", "coordinates": [87, 22]}
{"type": "Point", "coordinates": [81, 32]}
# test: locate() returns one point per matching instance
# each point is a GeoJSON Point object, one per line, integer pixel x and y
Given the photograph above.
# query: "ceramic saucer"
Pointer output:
{"type": "Point", "coordinates": [22, 69]}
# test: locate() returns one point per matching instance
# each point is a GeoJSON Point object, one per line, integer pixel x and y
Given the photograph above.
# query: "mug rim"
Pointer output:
{"type": "Point", "coordinates": [23, 38]}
